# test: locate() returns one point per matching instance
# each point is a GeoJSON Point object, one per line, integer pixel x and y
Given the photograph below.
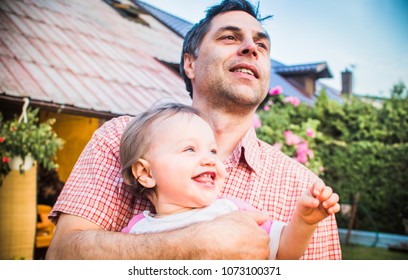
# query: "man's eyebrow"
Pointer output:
{"type": "Point", "coordinates": [263, 35]}
{"type": "Point", "coordinates": [259, 35]}
{"type": "Point", "coordinates": [228, 28]}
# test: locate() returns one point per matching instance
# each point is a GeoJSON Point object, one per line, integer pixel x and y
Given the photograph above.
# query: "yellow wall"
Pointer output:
{"type": "Point", "coordinates": [76, 132]}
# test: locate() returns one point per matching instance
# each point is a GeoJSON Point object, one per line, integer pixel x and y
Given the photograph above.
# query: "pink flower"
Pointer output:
{"type": "Point", "coordinates": [303, 152]}
{"type": "Point", "coordinates": [302, 158]}
{"type": "Point", "coordinates": [5, 159]}
{"type": "Point", "coordinates": [291, 139]}
{"type": "Point", "coordinates": [276, 90]}
{"type": "Point", "coordinates": [256, 121]}
{"type": "Point", "coordinates": [270, 102]}
{"type": "Point", "coordinates": [266, 108]}
{"type": "Point", "coordinates": [292, 100]}
{"type": "Point", "coordinates": [310, 132]}
{"type": "Point", "coordinates": [302, 147]}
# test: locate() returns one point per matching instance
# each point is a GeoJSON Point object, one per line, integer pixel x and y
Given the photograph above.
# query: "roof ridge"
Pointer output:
{"type": "Point", "coordinates": [158, 14]}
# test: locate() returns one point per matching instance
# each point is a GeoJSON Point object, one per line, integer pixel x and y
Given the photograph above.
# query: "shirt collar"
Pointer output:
{"type": "Point", "coordinates": [247, 151]}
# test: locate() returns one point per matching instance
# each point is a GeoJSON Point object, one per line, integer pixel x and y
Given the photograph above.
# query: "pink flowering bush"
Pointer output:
{"type": "Point", "coordinates": [362, 142]}
{"type": "Point", "coordinates": [278, 123]}
{"type": "Point", "coordinates": [292, 100]}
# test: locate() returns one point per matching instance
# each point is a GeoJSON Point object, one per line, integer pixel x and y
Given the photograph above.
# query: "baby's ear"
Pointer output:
{"type": "Point", "coordinates": [141, 171]}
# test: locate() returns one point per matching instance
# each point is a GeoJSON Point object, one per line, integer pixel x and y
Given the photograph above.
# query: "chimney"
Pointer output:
{"type": "Point", "coordinates": [346, 82]}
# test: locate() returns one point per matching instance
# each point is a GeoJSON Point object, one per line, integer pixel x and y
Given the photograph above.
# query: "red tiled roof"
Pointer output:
{"type": "Point", "coordinates": [85, 56]}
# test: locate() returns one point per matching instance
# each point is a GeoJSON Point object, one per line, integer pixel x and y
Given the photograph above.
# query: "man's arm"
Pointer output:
{"type": "Point", "coordinates": [232, 236]}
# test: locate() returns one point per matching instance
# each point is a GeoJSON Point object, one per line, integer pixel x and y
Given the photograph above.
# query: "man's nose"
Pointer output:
{"type": "Point", "coordinates": [250, 48]}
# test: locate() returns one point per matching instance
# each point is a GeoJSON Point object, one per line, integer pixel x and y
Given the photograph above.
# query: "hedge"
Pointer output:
{"type": "Point", "coordinates": [360, 146]}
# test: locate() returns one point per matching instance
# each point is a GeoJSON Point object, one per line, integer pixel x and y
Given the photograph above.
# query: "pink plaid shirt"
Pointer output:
{"type": "Point", "coordinates": [257, 174]}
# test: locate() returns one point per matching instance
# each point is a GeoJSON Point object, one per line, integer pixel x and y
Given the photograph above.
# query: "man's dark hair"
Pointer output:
{"type": "Point", "coordinates": [194, 37]}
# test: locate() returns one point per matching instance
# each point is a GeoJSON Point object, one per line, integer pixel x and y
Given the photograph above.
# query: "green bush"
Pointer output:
{"type": "Point", "coordinates": [360, 146]}
{"type": "Point", "coordinates": [379, 173]}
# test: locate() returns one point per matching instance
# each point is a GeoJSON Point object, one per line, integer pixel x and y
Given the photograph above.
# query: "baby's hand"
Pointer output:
{"type": "Point", "coordinates": [317, 203]}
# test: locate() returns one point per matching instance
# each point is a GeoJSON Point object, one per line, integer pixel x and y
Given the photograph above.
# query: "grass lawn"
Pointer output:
{"type": "Point", "coordinates": [357, 252]}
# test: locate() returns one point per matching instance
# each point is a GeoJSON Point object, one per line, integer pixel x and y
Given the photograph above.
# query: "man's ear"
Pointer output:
{"type": "Point", "coordinates": [141, 171]}
{"type": "Point", "coordinates": [189, 64]}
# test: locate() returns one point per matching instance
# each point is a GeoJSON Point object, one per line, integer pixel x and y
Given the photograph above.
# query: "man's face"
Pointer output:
{"type": "Point", "coordinates": [233, 64]}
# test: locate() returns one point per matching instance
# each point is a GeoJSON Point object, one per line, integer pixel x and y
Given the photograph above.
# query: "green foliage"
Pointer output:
{"type": "Point", "coordinates": [19, 139]}
{"type": "Point", "coordinates": [362, 145]}
{"type": "Point", "coordinates": [378, 172]}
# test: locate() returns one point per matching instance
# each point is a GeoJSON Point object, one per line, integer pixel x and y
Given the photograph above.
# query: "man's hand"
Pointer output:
{"type": "Point", "coordinates": [236, 235]}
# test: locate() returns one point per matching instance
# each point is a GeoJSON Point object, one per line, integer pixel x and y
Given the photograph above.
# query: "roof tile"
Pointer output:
{"type": "Point", "coordinates": [29, 50]}
{"type": "Point", "coordinates": [89, 63]}
{"type": "Point", "coordinates": [8, 82]}
{"type": "Point", "coordinates": [82, 95]}
{"type": "Point", "coordinates": [4, 50]}
{"type": "Point", "coordinates": [45, 82]}
{"type": "Point", "coordinates": [49, 56]}
{"type": "Point", "coordinates": [64, 88]}
{"type": "Point", "coordinates": [37, 31]}
{"type": "Point", "coordinates": [6, 23]}
{"type": "Point", "coordinates": [120, 93]}
{"type": "Point", "coordinates": [33, 13]}
{"type": "Point", "coordinates": [28, 85]}
{"type": "Point", "coordinates": [5, 7]}
{"type": "Point", "coordinates": [10, 42]}
{"type": "Point", "coordinates": [21, 25]}
{"type": "Point", "coordinates": [15, 8]}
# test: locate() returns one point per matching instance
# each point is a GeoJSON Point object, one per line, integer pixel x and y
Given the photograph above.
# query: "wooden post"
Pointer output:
{"type": "Point", "coordinates": [354, 200]}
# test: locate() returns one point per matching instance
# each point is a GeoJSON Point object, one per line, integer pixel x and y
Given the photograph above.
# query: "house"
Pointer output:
{"type": "Point", "coordinates": [84, 62]}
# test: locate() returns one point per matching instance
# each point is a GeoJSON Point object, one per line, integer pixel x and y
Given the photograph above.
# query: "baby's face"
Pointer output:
{"type": "Point", "coordinates": [184, 163]}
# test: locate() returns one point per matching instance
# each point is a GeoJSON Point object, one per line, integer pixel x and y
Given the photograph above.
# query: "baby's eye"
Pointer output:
{"type": "Point", "coordinates": [189, 149]}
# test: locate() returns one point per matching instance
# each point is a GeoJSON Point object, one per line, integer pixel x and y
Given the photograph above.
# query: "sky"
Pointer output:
{"type": "Point", "coordinates": [368, 37]}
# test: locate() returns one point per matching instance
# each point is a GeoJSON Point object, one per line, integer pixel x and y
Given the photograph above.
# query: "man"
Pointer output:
{"type": "Point", "coordinates": [226, 66]}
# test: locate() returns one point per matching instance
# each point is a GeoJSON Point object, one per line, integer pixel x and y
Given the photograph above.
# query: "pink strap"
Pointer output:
{"type": "Point", "coordinates": [247, 207]}
{"type": "Point", "coordinates": [132, 222]}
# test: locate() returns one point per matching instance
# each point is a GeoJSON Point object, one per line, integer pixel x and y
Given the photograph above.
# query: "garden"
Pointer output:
{"type": "Point", "coordinates": [358, 147]}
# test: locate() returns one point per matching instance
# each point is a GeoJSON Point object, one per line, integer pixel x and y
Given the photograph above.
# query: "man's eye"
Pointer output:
{"type": "Point", "coordinates": [262, 45]}
{"type": "Point", "coordinates": [229, 37]}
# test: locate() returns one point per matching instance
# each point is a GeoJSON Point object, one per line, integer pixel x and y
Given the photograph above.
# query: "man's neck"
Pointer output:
{"type": "Point", "coordinates": [228, 127]}
{"type": "Point", "coordinates": [228, 138]}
